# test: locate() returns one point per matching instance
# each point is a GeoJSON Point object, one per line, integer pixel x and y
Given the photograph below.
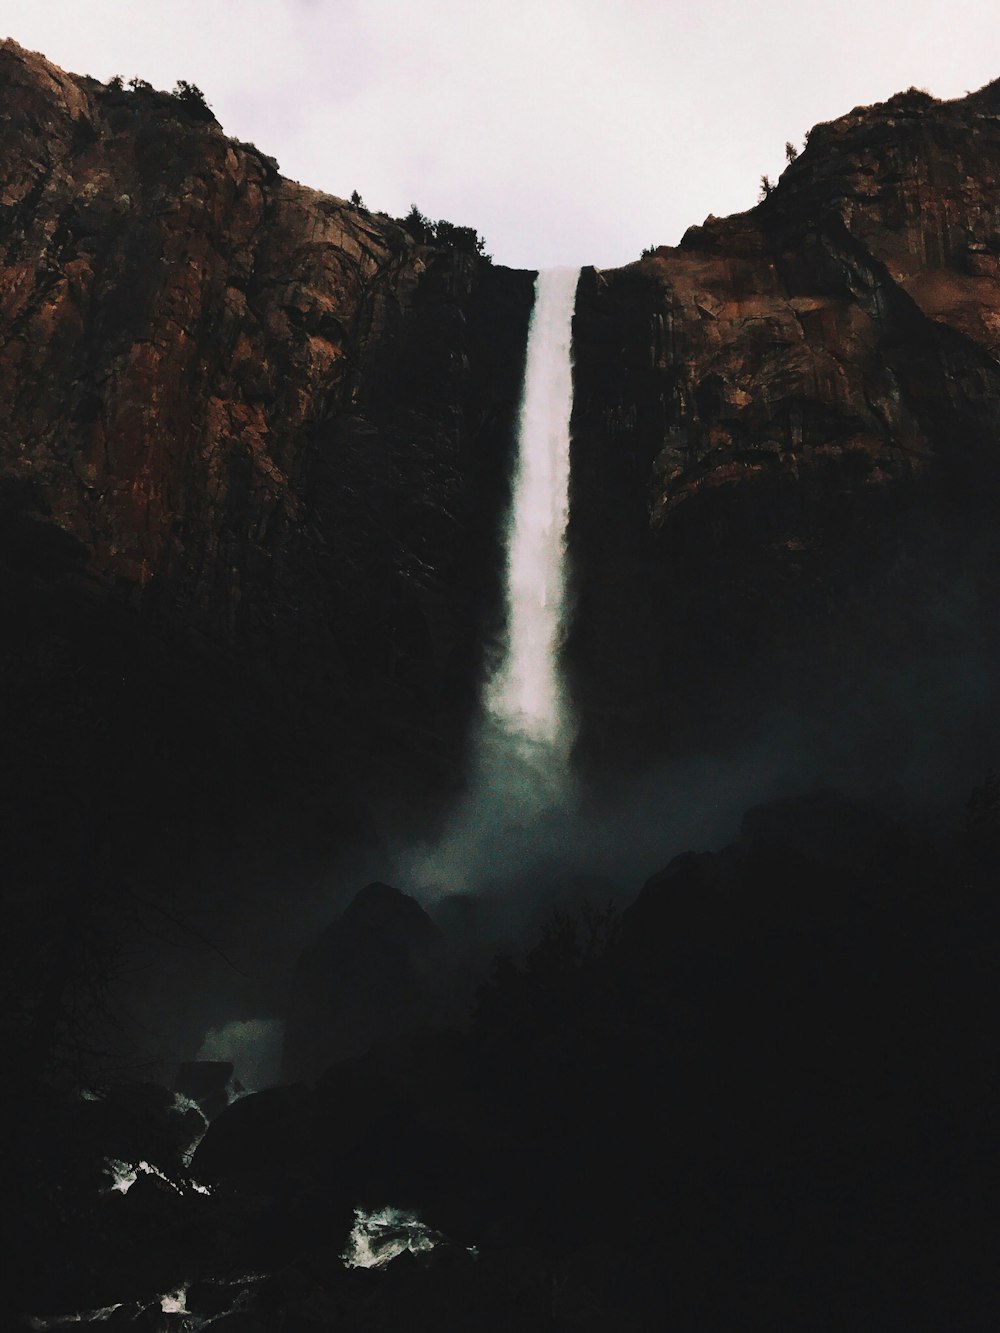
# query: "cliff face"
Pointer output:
{"type": "Point", "coordinates": [254, 444]}
{"type": "Point", "coordinates": [786, 432]}
{"type": "Point", "coordinates": [252, 454]}
{"type": "Point", "coordinates": [253, 448]}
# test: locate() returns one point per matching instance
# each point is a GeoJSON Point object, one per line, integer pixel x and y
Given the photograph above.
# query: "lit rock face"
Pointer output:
{"type": "Point", "coordinates": [251, 459]}
{"type": "Point", "coordinates": [786, 453]}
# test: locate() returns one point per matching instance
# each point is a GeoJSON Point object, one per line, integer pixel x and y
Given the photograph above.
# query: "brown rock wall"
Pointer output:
{"type": "Point", "coordinates": [785, 434]}
{"type": "Point", "coordinates": [253, 443]}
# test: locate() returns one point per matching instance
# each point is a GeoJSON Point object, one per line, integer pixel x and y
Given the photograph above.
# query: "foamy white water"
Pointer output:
{"type": "Point", "coordinates": [520, 781]}
{"type": "Point", "coordinates": [525, 694]}
{"type": "Point", "coordinates": [381, 1236]}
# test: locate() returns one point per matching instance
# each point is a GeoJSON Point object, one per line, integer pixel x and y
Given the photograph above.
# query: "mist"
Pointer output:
{"type": "Point", "coordinates": [252, 1046]}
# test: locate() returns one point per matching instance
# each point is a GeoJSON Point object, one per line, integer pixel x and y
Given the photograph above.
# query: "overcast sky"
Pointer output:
{"type": "Point", "coordinates": [565, 131]}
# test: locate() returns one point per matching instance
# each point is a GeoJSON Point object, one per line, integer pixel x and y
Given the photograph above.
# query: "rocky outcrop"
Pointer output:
{"type": "Point", "coordinates": [801, 866]}
{"type": "Point", "coordinates": [785, 452]}
{"type": "Point", "coordinates": [377, 972]}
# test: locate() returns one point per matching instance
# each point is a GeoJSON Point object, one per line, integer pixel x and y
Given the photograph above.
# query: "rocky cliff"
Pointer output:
{"type": "Point", "coordinates": [254, 442]}
{"type": "Point", "coordinates": [786, 468]}
{"type": "Point", "coordinates": [253, 455]}
{"type": "Point", "coordinates": [253, 447]}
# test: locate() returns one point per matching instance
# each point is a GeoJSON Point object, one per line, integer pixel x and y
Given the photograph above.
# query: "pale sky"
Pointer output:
{"type": "Point", "coordinates": [565, 131]}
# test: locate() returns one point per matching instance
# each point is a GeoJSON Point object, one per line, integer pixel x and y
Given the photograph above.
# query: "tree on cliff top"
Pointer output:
{"type": "Point", "coordinates": [189, 93]}
{"type": "Point", "coordinates": [425, 232]}
{"type": "Point", "coordinates": [418, 225]}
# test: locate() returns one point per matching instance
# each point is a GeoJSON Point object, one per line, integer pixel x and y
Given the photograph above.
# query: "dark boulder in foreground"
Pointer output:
{"type": "Point", "coordinates": [262, 1138]}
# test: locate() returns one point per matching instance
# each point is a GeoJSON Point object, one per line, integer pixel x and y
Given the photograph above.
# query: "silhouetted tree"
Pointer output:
{"type": "Point", "coordinates": [425, 232]}
{"type": "Point", "coordinates": [418, 225]}
{"type": "Point", "coordinates": [465, 239]}
{"type": "Point", "coordinates": [189, 92]}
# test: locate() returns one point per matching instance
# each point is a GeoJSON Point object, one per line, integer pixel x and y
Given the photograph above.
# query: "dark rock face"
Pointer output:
{"type": "Point", "coordinates": [266, 1136]}
{"type": "Point", "coordinates": [785, 454]}
{"type": "Point", "coordinates": [800, 867]}
{"type": "Point", "coordinates": [374, 974]}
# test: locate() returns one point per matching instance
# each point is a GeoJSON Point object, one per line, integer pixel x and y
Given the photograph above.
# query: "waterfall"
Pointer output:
{"type": "Point", "coordinates": [525, 695]}
{"type": "Point", "coordinates": [519, 775]}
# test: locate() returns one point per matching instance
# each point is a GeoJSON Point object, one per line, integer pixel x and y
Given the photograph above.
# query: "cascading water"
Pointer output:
{"type": "Point", "coordinates": [525, 695]}
{"type": "Point", "coordinates": [520, 772]}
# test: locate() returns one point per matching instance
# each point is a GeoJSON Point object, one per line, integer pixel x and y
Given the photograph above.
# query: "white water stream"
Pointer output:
{"type": "Point", "coordinates": [520, 773]}
{"type": "Point", "coordinates": [525, 694]}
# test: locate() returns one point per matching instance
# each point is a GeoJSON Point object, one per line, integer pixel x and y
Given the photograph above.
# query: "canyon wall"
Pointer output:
{"type": "Point", "coordinates": [786, 468]}
{"type": "Point", "coordinates": [254, 451]}
{"type": "Point", "coordinates": [254, 444]}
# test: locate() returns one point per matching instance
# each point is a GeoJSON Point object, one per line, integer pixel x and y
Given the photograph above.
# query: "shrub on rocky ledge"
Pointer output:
{"type": "Point", "coordinates": [189, 92]}
{"type": "Point", "coordinates": [466, 240]}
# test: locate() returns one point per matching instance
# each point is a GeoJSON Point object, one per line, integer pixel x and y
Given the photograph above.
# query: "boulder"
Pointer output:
{"type": "Point", "coordinates": [262, 1142]}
